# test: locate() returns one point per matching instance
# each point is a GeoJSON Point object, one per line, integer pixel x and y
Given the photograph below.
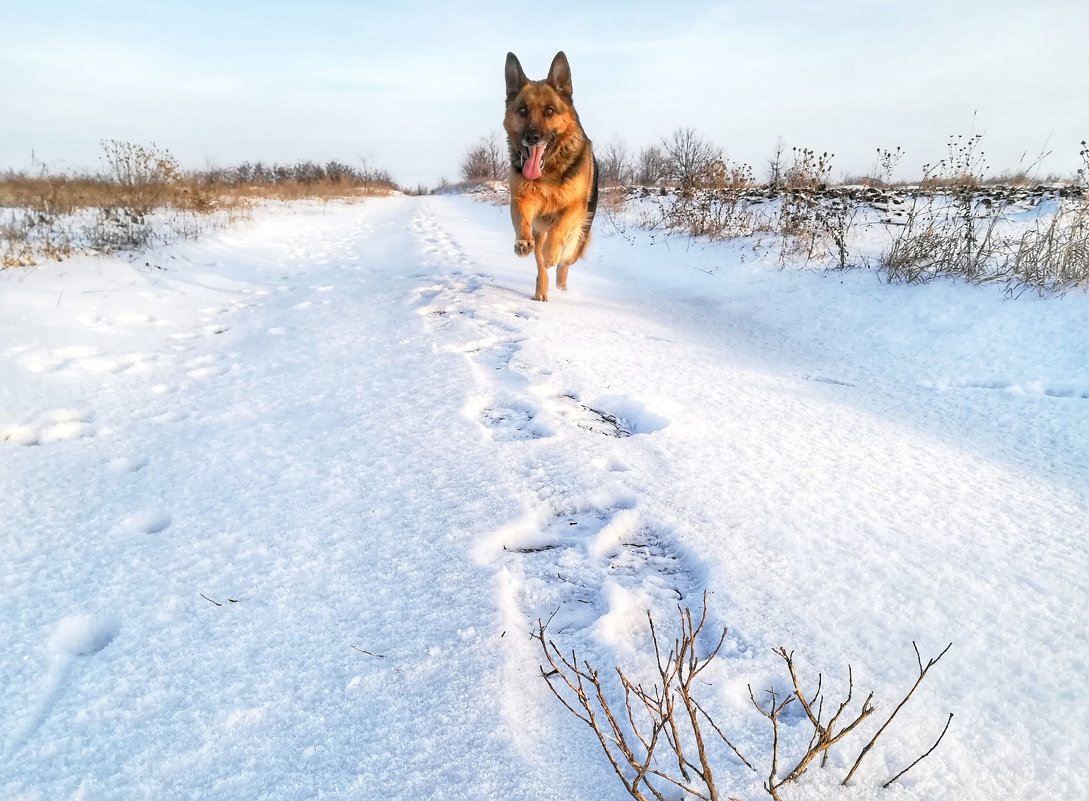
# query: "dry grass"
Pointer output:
{"type": "Point", "coordinates": [1020, 229]}
{"type": "Point", "coordinates": [144, 198]}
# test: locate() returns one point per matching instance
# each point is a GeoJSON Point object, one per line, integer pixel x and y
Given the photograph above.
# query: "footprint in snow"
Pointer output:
{"type": "Point", "coordinates": [83, 635]}
{"type": "Point", "coordinates": [579, 569]}
{"type": "Point", "coordinates": [149, 521]}
{"type": "Point", "coordinates": [74, 637]}
{"type": "Point", "coordinates": [497, 356]}
{"type": "Point", "coordinates": [57, 425]}
{"type": "Point", "coordinates": [1068, 390]}
{"type": "Point", "coordinates": [514, 421]}
{"type": "Point", "coordinates": [172, 416]}
{"type": "Point", "coordinates": [127, 464]}
{"type": "Point", "coordinates": [203, 367]}
{"type": "Point", "coordinates": [612, 416]}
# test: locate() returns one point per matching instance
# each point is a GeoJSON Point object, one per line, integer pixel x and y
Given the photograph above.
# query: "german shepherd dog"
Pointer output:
{"type": "Point", "coordinates": [553, 174]}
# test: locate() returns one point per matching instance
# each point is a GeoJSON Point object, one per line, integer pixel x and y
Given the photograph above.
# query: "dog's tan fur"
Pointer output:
{"type": "Point", "coordinates": [552, 214]}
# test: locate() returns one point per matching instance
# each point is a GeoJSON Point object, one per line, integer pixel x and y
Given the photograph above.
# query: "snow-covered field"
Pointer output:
{"type": "Point", "coordinates": [279, 509]}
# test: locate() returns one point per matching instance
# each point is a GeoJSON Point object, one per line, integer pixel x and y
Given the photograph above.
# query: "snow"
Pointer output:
{"type": "Point", "coordinates": [281, 507]}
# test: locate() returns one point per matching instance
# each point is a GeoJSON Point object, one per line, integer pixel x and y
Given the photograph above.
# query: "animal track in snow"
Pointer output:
{"type": "Point", "coordinates": [74, 637]}
{"type": "Point", "coordinates": [171, 416]}
{"type": "Point", "coordinates": [1038, 388]}
{"type": "Point", "coordinates": [438, 245]}
{"type": "Point", "coordinates": [612, 416]}
{"type": "Point", "coordinates": [83, 635]}
{"type": "Point", "coordinates": [205, 366]}
{"type": "Point", "coordinates": [513, 420]}
{"type": "Point", "coordinates": [58, 425]}
{"type": "Point", "coordinates": [80, 357]}
{"type": "Point", "coordinates": [591, 419]}
{"type": "Point", "coordinates": [149, 521]}
{"type": "Point", "coordinates": [127, 464]}
{"type": "Point", "coordinates": [595, 564]}
{"type": "Point", "coordinates": [576, 568]}
{"type": "Point", "coordinates": [497, 355]}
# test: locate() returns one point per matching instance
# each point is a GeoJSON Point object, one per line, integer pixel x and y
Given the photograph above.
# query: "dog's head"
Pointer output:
{"type": "Point", "coordinates": [539, 113]}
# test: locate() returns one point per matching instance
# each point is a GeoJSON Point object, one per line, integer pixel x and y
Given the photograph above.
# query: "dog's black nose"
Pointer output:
{"type": "Point", "coordinates": [531, 136]}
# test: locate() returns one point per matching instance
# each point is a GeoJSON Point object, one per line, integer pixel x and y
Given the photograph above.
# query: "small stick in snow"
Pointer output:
{"type": "Point", "coordinates": [923, 670]}
{"type": "Point", "coordinates": [924, 756]}
{"type": "Point", "coordinates": [369, 653]}
{"type": "Point", "coordinates": [205, 597]}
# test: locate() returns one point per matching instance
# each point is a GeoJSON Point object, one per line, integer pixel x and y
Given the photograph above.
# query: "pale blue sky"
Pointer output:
{"type": "Point", "coordinates": [409, 85]}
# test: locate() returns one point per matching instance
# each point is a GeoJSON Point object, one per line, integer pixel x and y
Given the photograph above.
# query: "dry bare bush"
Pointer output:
{"type": "Point", "coordinates": [690, 158]}
{"type": "Point", "coordinates": [657, 735]}
{"type": "Point", "coordinates": [485, 161]}
{"type": "Point", "coordinates": [651, 166]}
{"type": "Point", "coordinates": [714, 214]}
{"type": "Point", "coordinates": [813, 223]}
{"type": "Point", "coordinates": [885, 166]}
{"type": "Point", "coordinates": [615, 164]}
{"type": "Point", "coordinates": [1054, 255]}
{"type": "Point", "coordinates": [775, 164]}
{"type": "Point", "coordinates": [143, 198]}
{"type": "Point", "coordinates": [951, 229]}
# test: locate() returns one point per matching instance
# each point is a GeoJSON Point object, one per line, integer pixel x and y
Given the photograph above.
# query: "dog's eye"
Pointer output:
{"type": "Point", "coordinates": [549, 111]}
{"type": "Point", "coordinates": [523, 111]}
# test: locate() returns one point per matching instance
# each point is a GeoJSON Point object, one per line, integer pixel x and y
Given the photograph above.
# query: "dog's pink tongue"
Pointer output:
{"type": "Point", "coordinates": [532, 168]}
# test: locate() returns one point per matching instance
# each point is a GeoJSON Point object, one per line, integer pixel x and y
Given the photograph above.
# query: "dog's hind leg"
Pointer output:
{"type": "Point", "coordinates": [567, 260]}
{"type": "Point", "coordinates": [565, 243]}
{"type": "Point", "coordinates": [561, 277]}
{"type": "Point", "coordinates": [542, 273]}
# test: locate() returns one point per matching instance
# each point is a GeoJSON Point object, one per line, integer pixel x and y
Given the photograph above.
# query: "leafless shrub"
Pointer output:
{"type": "Point", "coordinates": [1054, 256]}
{"type": "Point", "coordinates": [143, 198]}
{"type": "Point", "coordinates": [657, 737]}
{"type": "Point", "coordinates": [952, 230]}
{"type": "Point", "coordinates": [131, 164]}
{"type": "Point", "coordinates": [885, 166]}
{"type": "Point", "coordinates": [662, 720]}
{"type": "Point", "coordinates": [485, 161]}
{"type": "Point", "coordinates": [715, 214]}
{"type": "Point", "coordinates": [651, 166]}
{"type": "Point", "coordinates": [965, 164]}
{"type": "Point", "coordinates": [776, 165]}
{"type": "Point", "coordinates": [690, 158]}
{"type": "Point", "coordinates": [615, 164]}
{"type": "Point", "coordinates": [813, 223]}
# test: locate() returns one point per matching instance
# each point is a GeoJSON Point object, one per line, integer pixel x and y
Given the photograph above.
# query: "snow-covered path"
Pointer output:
{"type": "Point", "coordinates": [348, 426]}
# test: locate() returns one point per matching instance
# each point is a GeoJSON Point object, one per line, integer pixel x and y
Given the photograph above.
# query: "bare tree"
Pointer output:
{"type": "Point", "coordinates": [650, 166]}
{"type": "Point", "coordinates": [615, 164]}
{"type": "Point", "coordinates": [775, 165]}
{"type": "Point", "coordinates": [484, 161]}
{"type": "Point", "coordinates": [689, 157]}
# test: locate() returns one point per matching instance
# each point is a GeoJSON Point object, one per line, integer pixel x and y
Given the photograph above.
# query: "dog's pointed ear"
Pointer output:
{"type": "Point", "coordinates": [516, 79]}
{"type": "Point", "coordinates": [559, 75]}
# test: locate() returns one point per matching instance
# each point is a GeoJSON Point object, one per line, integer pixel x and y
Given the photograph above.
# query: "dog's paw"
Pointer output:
{"type": "Point", "coordinates": [523, 247]}
{"type": "Point", "coordinates": [542, 298]}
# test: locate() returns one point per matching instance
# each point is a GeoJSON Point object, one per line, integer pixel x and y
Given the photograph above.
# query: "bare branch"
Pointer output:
{"type": "Point", "coordinates": [663, 722]}
{"type": "Point", "coordinates": [924, 756]}
{"type": "Point", "coordinates": [724, 738]}
{"type": "Point", "coordinates": [922, 675]}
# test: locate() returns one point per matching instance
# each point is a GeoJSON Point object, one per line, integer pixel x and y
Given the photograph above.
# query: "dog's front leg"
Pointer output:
{"type": "Point", "coordinates": [521, 214]}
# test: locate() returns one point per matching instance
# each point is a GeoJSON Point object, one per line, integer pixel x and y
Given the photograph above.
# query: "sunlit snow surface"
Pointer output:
{"type": "Point", "coordinates": [280, 508]}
